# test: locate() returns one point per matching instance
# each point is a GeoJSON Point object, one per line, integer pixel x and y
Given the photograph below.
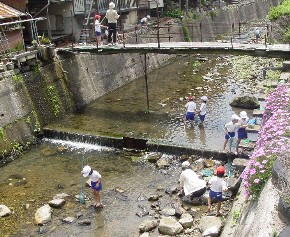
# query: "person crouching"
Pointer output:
{"type": "Point", "coordinates": [190, 184]}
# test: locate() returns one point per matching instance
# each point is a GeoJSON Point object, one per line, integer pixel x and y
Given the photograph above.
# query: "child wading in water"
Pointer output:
{"type": "Point", "coordinates": [190, 111]}
{"type": "Point", "coordinates": [242, 134]}
{"type": "Point", "coordinates": [96, 184]}
{"type": "Point", "coordinates": [218, 185]}
{"type": "Point", "coordinates": [202, 110]}
{"type": "Point", "coordinates": [230, 129]}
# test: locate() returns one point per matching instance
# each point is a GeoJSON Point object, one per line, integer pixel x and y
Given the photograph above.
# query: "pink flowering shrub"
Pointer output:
{"type": "Point", "coordinates": [272, 141]}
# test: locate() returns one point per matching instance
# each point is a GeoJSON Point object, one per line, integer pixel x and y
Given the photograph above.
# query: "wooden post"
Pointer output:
{"type": "Point", "coordinates": [136, 34]}
{"type": "Point", "coordinates": [146, 80]}
{"type": "Point", "coordinates": [192, 32]}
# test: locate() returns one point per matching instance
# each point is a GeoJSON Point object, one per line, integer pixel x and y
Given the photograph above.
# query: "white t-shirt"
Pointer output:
{"type": "Point", "coordinates": [202, 109]}
{"type": "Point", "coordinates": [112, 16]}
{"type": "Point", "coordinates": [191, 106]}
{"type": "Point", "coordinates": [232, 127]}
{"type": "Point", "coordinates": [243, 122]}
{"type": "Point", "coordinates": [144, 20]}
{"type": "Point", "coordinates": [97, 26]}
{"type": "Point", "coordinates": [217, 184]}
{"type": "Point", "coordinates": [95, 176]}
{"type": "Point", "coordinates": [190, 181]}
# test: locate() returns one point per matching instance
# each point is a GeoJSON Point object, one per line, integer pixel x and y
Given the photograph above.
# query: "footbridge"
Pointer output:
{"type": "Point", "coordinates": [258, 50]}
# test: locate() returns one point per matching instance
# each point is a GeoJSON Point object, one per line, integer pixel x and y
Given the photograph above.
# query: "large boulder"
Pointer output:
{"type": "Point", "coordinates": [186, 220]}
{"type": "Point", "coordinates": [210, 226]}
{"type": "Point", "coordinates": [245, 102]}
{"type": "Point", "coordinates": [4, 211]}
{"type": "Point", "coordinates": [147, 225]}
{"type": "Point", "coordinates": [43, 215]}
{"type": "Point", "coordinates": [56, 203]}
{"type": "Point", "coordinates": [169, 226]}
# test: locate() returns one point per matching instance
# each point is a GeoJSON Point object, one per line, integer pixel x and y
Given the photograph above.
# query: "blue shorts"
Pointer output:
{"type": "Point", "coordinates": [93, 186]}
{"type": "Point", "coordinates": [98, 33]}
{"type": "Point", "coordinates": [232, 134]}
{"type": "Point", "coordinates": [216, 195]}
{"type": "Point", "coordinates": [190, 116]}
{"type": "Point", "coordinates": [242, 134]}
{"type": "Point", "coordinates": [201, 117]}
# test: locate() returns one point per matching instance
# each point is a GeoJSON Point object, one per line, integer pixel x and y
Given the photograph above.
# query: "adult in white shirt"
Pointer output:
{"type": "Point", "coordinates": [230, 130]}
{"type": "Point", "coordinates": [112, 17]}
{"type": "Point", "coordinates": [190, 111]}
{"type": "Point", "coordinates": [96, 184]}
{"type": "Point", "coordinates": [190, 183]}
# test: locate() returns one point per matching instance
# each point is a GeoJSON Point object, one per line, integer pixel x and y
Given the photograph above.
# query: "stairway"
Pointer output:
{"type": "Point", "coordinates": [88, 23]}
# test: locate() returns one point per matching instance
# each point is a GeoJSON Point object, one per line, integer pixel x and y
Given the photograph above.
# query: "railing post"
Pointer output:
{"type": "Point", "coordinates": [233, 27]}
{"type": "Point", "coordinates": [232, 42]}
{"type": "Point", "coordinates": [200, 28]}
{"type": "Point", "coordinates": [146, 80]}
{"type": "Point", "coordinates": [136, 34]}
{"type": "Point", "coordinates": [191, 32]}
{"type": "Point", "coordinates": [168, 29]}
{"type": "Point", "coordinates": [266, 40]}
{"type": "Point", "coordinates": [240, 28]}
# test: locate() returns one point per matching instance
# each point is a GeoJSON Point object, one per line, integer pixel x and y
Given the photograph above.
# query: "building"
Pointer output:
{"type": "Point", "coordinates": [11, 35]}
{"type": "Point", "coordinates": [67, 19]}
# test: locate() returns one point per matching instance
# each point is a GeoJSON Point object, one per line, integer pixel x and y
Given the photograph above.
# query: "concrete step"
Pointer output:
{"type": "Point", "coordinates": [253, 128]}
{"type": "Point", "coordinates": [258, 113]}
{"type": "Point", "coordinates": [247, 145]}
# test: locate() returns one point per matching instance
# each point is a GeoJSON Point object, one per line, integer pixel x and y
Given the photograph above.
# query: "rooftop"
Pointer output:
{"type": "Point", "coordinates": [9, 12]}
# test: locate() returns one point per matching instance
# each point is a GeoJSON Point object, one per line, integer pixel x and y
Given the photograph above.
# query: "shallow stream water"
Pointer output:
{"type": "Point", "coordinates": [52, 168]}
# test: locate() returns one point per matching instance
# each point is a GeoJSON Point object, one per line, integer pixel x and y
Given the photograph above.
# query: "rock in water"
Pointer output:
{"type": "Point", "coordinates": [4, 211]}
{"type": "Point", "coordinates": [245, 102]}
{"type": "Point", "coordinates": [43, 215]}
{"type": "Point", "coordinates": [169, 226]}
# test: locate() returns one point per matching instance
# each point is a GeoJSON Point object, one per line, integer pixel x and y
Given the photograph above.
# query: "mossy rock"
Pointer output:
{"type": "Point", "coordinates": [245, 102]}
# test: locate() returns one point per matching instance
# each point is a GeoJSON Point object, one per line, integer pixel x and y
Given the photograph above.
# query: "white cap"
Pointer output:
{"type": "Point", "coordinates": [86, 170]}
{"type": "Point", "coordinates": [148, 16]}
{"type": "Point", "coordinates": [185, 164]}
{"type": "Point", "coordinates": [235, 117]}
{"type": "Point", "coordinates": [243, 114]}
{"type": "Point", "coordinates": [111, 5]}
{"type": "Point", "coordinates": [204, 98]}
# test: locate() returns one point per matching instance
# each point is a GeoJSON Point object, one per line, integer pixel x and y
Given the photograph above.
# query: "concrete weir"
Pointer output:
{"type": "Point", "coordinates": [136, 143]}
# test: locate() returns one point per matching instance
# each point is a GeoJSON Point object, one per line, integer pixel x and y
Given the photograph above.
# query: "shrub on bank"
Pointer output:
{"type": "Point", "coordinates": [271, 142]}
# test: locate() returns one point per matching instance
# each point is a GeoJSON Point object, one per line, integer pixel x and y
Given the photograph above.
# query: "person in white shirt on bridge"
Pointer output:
{"type": "Point", "coordinates": [144, 20]}
{"type": "Point", "coordinates": [112, 17]}
{"type": "Point", "coordinates": [190, 111]}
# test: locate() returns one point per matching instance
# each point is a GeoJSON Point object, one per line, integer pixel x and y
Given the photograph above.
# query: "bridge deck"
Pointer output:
{"type": "Point", "coordinates": [259, 50]}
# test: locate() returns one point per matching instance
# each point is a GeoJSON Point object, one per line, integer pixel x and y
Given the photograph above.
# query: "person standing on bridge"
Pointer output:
{"type": "Point", "coordinates": [98, 30]}
{"type": "Point", "coordinates": [112, 17]}
{"type": "Point", "coordinates": [190, 111]}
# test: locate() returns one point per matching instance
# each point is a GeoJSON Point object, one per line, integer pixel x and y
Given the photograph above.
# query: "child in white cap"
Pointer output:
{"type": "Point", "coordinates": [230, 129]}
{"type": "Point", "coordinates": [242, 134]}
{"type": "Point", "coordinates": [96, 184]}
{"type": "Point", "coordinates": [202, 110]}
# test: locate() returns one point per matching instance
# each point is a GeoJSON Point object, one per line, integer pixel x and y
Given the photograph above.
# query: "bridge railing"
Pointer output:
{"type": "Point", "coordinates": [197, 32]}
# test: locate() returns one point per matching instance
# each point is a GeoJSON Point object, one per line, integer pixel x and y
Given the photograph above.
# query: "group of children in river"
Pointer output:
{"type": "Point", "coordinates": [190, 185]}
{"type": "Point", "coordinates": [237, 124]}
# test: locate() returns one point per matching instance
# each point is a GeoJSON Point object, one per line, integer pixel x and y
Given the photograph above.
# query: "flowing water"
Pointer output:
{"type": "Point", "coordinates": [124, 111]}
{"type": "Point", "coordinates": [48, 169]}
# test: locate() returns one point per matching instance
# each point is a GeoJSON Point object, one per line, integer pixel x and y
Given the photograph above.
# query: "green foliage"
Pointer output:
{"type": "Point", "coordinates": [273, 75]}
{"type": "Point", "coordinates": [36, 69]}
{"type": "Point", "coordinates": [28, 119]}
{"type": "Point", "coordinates": [17, 78]}
{"type": "Point", "coordinates": [37, 127]}
{"type": "Point", "coordinates": [261, 175]}
{"type": "Point", "coordinates": [196, 64]}
{"type": "Point", "coordinates": [19, 46]}
{"type": "Point", "coordinates": [53, 99]}
{"type": "Point", "coordinates": [186, 33]}
{"type": "Point", "coordinates": [17, 148]}
{"type": "Point", "coordinates": [279, 11]}
{"type": "Point", "coordinates": [2, 135]}
{"type": "Point", "coordinates": [213, 14]}
{"type": "Point", "coordinates": [287, 35]}
{"type": "Point", "coordinates": [43, 40]}
{"type": "Point", "coordinates": [236, 216]}
{"type": "Point", "coordinates": [174, 13]}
